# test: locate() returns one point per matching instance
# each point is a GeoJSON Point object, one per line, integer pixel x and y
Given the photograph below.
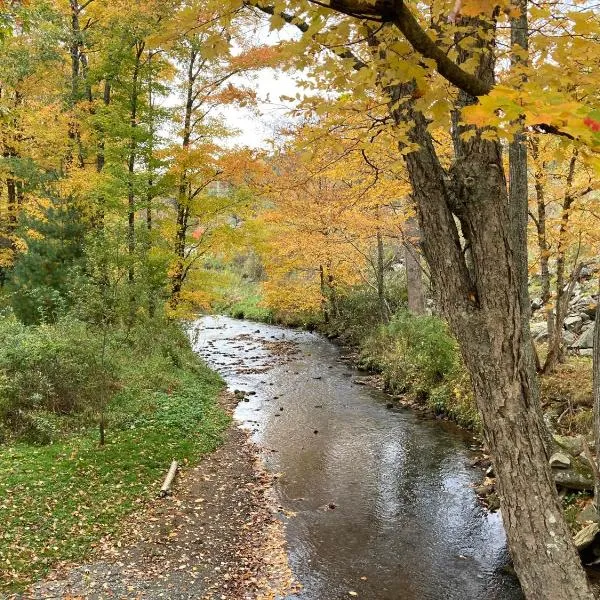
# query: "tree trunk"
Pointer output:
{"type": "Point", "coordinates": [139, 48]}
{"type": "Point", "coordinates": [483, 308]}
{"type": "Point", "coordinates": [384, 313]}
{"type": "Point", "coordinates": [414, 272]}
{"type": "Point", "coordinates": [183, 194]}
{"type": "Point", "coordinates": [596, 388]}
{"type": "Point", "coordinates": [542, 236]}
{"type": "Point", "coordinates": [323, 295]}
{"type": "Point", "coordinates": [563, 288]}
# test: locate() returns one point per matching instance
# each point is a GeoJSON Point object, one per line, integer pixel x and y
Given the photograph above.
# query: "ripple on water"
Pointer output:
{"type": "Point", "coordinates": [406, 524]}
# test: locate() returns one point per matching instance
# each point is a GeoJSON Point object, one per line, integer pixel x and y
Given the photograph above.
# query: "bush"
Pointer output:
{"type": "Point", "coordinates": [358, 311]}
{"type": "Point", "coordinates": [418, 357]}
{"type": "Point", "coordinates": [48, 370]}
{"type": "Point", "coordinates": [414, 352]}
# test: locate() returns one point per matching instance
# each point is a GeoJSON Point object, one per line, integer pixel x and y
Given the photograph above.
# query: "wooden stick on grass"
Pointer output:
{"type": "Point", "coordinates": [165, 490]}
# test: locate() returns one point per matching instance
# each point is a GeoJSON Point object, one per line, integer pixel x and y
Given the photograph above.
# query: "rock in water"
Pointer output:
{"type": "Point", "coordinates": [559, 460]}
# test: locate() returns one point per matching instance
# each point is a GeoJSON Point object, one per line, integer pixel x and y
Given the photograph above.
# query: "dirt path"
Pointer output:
{"type": "Point", "coordinates": [216, 537]}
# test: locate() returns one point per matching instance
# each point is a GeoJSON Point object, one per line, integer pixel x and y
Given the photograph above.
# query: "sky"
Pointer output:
{"type": "Point", "coordinates": [255, 130]}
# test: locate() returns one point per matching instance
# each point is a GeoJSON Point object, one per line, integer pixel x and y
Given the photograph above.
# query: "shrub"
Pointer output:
{"type": "Point", "coordinates": [417, 356]}
{"type": "Point", "coordinates": [46, 370]}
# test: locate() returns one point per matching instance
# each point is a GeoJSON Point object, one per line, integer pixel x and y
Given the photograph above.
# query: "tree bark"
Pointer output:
{"type": "Point", "coordinates": [384, 313]}
{"type": "Point", "coordinates": [414, 272]}
{"type": "Point", "coordinates": [596, 388]}
{"type": "Point", "coordinates": [483, 310]}
{"type": "Point", "coordinates": [131, 208]}
{"type": "Point", "coordinates": [482, 303]}
{"type": "Point", "coordinates": [542, 236]}
{"type": "Point", "coordinates": [183, 209]}
{"type": "Point", "coordinates": [563, 288]}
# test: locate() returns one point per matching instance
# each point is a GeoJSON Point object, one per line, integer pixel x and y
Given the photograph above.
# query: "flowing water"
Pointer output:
{"type": "Point", "coordinates": [379, 501]}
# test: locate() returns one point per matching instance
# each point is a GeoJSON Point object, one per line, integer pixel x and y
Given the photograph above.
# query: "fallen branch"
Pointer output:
{"type": "Point", "coordinates": [165, 490]}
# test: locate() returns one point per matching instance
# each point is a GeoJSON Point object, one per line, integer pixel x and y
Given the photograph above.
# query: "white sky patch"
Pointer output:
{"type": "Point", "coordinates": [257, 126]}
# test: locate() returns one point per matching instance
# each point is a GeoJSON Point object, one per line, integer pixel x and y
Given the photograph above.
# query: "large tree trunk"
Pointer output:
{"type": "Point", "coordinates": [414, 272]}
{"type": "Point", "coordinates": [482, 305]}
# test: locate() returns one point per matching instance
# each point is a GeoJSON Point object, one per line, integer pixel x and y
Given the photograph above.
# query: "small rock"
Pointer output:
{"type": "Point", "coordinates": [589, 513]}
{"type": "Point", "coordinates": [316, 431]}
{"type": "Point", "coordinates": [484, 490]}
{"type": "Point", "coordinates": [586, 536]}
{"type": "Point", "coordinates": [559, 460]}
{"type": "Point", "coordinates": [537, 303]}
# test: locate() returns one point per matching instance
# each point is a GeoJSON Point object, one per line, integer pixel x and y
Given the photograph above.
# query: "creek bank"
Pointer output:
{"type": "Point", "coordinates": [217, 537]}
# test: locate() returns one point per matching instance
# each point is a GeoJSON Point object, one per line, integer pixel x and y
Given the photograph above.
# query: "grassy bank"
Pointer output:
{"type": "Point", "coordinates": [60, 497]}
{"type": "Point", "coordinates": [419, 360]}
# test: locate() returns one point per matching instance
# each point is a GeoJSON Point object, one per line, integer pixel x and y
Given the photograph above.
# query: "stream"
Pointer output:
{"type": "Point", "coordinates": [376, 501]}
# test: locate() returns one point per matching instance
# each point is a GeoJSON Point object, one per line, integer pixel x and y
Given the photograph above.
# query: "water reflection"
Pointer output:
{"type": "Point", "coordinates": [405, 524]}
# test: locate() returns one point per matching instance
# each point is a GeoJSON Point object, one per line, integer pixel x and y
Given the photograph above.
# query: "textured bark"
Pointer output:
{"type": "Point", "coordinates": [183, 210]}
{"type": "Point", "coordinates": [481, 301]}
{"type": "Point", "coordinates": [384, 313]}
{"type": "Point", "coordinates": [483, 310]}
{"type": "Point", "coordinates": [542, 238]}
{"type": "Point", "coordinates": [564, 287]}
{"type": "Point", "coordinates": [596, 388]}
{"type": "Point", "coordinates": [414, 272]}
{"type": "Point", "coordinates": [131, 207]}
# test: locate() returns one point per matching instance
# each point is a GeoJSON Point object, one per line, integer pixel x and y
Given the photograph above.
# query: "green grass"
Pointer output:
{"type": "Point", "coordinates": [249, 308]}
{"type": "Point", "coordinates": [57, 501]}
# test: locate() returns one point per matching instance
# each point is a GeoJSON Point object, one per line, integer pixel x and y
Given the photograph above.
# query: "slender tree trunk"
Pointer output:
{"type": "Point", "coordinates": [563, 288]}
{"type": "Point", "coordinates": [542, 236]}
{"type": "Point", "coordinates": [596, 388]}
{"type": "Point", "coordinates": [131, 161]}
{"type": "Point", "coordinates": [384, 313]}
{"type": "Point", "coordinates": [414, 272]}
{"type": "Point", "coordinates": [183, 200]}
{"type": "Point", "coordinates": [323, 295]}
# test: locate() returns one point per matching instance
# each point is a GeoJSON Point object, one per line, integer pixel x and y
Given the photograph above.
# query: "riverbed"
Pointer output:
{"type": "Point", "coordinates": [377, 502]}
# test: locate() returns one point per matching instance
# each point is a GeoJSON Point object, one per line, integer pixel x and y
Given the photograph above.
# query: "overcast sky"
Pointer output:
{"type": "Point", "coordinates": [270, 84]}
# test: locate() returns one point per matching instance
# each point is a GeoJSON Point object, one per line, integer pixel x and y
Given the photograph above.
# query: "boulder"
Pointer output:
{"type": "Point", "coordinates": [586, 339]}
{"type": "Point", "coordinates": [586, 273]}
{"type": "Point", "coordinates": [539, 329]}
{"type": "Point", "coordinates": [559, 460]}
{"type": "Point", "coordinates": [572, 445]}
{"type": "Point", "coordinates": [569, 338]}
{"type": "Point", "coordinates": [572, 480]}
{"type": "Point", "coordinates": [586, 536]}
{"type": "Point", "coordinates": [573, 323]}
